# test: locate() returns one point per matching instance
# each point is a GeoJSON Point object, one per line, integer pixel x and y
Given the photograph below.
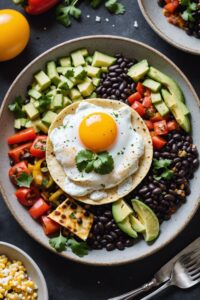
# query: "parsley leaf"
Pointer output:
{"type": "Point", "coordinates": [66, 10]}
{"type": "Point", "coordinates": [58, 243]}
{"type": "Point", "coordinates": [115, 7]}
{"type": "Point", "coordinates": [24, 180]}
{"type": "Point", "coordinates": [161, 169]}
{"type": "Point", "coordinates": [16, 107]}
{"type": "Point", "coordinates": [78, 248]}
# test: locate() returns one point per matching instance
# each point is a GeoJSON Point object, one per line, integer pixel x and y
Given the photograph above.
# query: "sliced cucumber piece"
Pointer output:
{"type": "Point", "coordinates": [77, 58]}
{"type": "Point", "coordinates": [139, 70]}
{"type": "Point", "coordinates": [34, 94]}
{"type": "Point", "coordinates": [153, 85]}
{"type": "Point", "coordinates": [102, 60]}
{"type": "Point", "coordinates": [156, 98]}
{"type": "Point", "coordinates": [74, 94]}
{"type": "Point", "coordinates": [86, 87]}
{"type": "Point", "coordinates": [43, 80]}
{"type": "Point", "coordinates": [49, 117]}
{"type": "Point", "coordinates": [93, 71]}
{"type": "Point", "coordinates": [52, 72]}
{"type": "Point", "coordinates": [31, 111]}
{"type": "Point", "coordinates": [65, 61]}
{"type": "Point", "coordinates": [58, 101]}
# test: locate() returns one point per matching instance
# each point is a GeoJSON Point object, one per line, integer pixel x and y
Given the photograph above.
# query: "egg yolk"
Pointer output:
{"type": "Point", "coordinates": [98, 131]}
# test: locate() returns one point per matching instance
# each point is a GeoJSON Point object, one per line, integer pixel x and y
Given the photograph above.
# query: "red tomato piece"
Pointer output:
{"type": "Point", "coordinates": [140, 88]}
{"type": "Point", "coordinates": [138, 107]}
{"type": "Point", "coordinates": [147, 102]}
{"type": "Point", "coordinates": [17, 169]}
{"type": "Point", "coordinates": [39, 208]}
{"type": "Point", "coordinates": [156, 117]}
{"type": "Point", "coordinates": [150, 112]}
{"type": "Point", "coordinates": [171, 7]}
{"type": "Point", "coordinates": [49, 226]}
{"type": "Point", "coordinates": [38, 147]}
{"type": "Point", "coordinates": [22, 136]}
{"type": "Point", "coordinates": [17, 152]}
{"type": "Point", "coordinates": [160, 127]}
{"type": "Point", "coordinates": [134, 97]}
{"type": "Point", "coordinates": [158, 142]}
{"type": "Point", "coordinates": [36, 7]}
{"type": "Point", "coordinates": [147, 92]}
{"type": "Point", "coordinates": [27, 196]}
{"type": "Point", "coordinates": [149, 124]}
{"type": "Point", "coordinates": [172, 125]}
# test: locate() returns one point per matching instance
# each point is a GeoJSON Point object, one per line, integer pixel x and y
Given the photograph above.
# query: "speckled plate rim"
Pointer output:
{"type": "Point", "coordinates": [27, 257]}
{"type": "Point", "coordinates": [197, 204]}
{"type": "Point", "coordinates": [162, 34]}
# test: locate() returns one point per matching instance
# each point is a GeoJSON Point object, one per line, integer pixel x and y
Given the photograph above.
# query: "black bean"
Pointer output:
{"type": "Point", "coordinates": [143, 190]}
{"type": "Point", "coordinates": [108, 213]}
{"type": "Point", "coordinates": [129, 243]}
{"type": "Point", "coordinates": [107, 83]}
{"type": "Point", "coordinates": [113, 234]}
{"type": "Point", "coordinates": [108, 225]}
{"type": "Point", "coordinates": [110, 247]}
{"type": "Point", "coordinates": [122, 86]}
{"type": "Point", "coordinates": [157, 191]}
{"type": "Point", "coordinates": [195, 163]}
{"type": "Point", "coordinates": [169, 197]}
{"type": "Point", "coordinates": [103, 242]}
{"type": "Point", "coordinates": [120, 246]}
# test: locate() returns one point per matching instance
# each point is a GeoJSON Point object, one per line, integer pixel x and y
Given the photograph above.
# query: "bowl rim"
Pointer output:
{"type": "Point", "coordinates": [40, 275]}
{"type": "Point", "coordinates": [162, 34]}
{"type": "Point", "coordinates": [17, 218]}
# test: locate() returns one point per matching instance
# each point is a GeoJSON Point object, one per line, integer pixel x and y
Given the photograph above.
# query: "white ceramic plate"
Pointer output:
{"type": "Point", "coordinates": [110, 45]}
{"type": "Point", "coordinates": [170, 33]}
{"type": "Point", "coordinates": [14, 253]}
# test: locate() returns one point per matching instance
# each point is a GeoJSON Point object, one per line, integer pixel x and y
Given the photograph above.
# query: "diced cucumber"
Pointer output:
{"type": "Point", "coordinates": [156, 98]}
{"type": "Point", "coordinates": [162, 108]}
{"type": "Point", "coordinates": [102, 60]}
{"type": "Point", "coordinates": [139, 70]}
{"type": "Point", "coordinates": [65, 61]}
{"type": "Point", "coordinates": [37, 87]}
{"type": "Point", "coordinates": [19, 123]}
{"type": "Point", "coordinates": [31, 111]}
{"type": "Point", "coordinates": [41, 126]}
{"type": "Point", "coordinates": [52, 72]}
{"type": "Point", "coordinates": [153, 85]}
{"type": "Point", "coordinates": [96, 81]}
{"type": "Point", "coordinates": [66, 101]}
{"type": "Point", "coordinates": [49, 117]}
{"type": "Point", "coordinates": [80, 73]}
{"type": "Point", "coordinates": [52, 93]}
{"type": "Point", "coordinates": [34, 94]}
{"type": "Point", "coordinates": [84, 52]}
{"type": "Point", "coordinates": [74, 94]}
{"type": "Point", "coordinates": [43, 80]}
{"type": "Point", "coordinates": [36, 103]}
{"type": "Point", "coordinates": [77, 58]}
{"type": "Point", "coordinates": [93, 71]}
{"type": "Point", "coordinates": [65, 83]}
{"type": "Point", "coordinates": [93, 95]}
{"type": "Point", "coordinates": [88, 60]}
{"type": "Point", "coordinates": [104, 69]}
{"type": "Point", "coordinates": [64, 70]}
{"type": "Point", "coordinates": [32, 124]}
{"type": "Point", "coordinates": [86, 88]}
{"type": "Point", "coordinates": [58, 101]}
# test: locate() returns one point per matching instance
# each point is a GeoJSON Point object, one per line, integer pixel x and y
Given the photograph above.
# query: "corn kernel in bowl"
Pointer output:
{"type": "Point", "coordinates": [14, 281]}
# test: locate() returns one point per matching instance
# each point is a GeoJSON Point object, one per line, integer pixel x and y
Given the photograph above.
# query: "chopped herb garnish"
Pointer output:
{"type": "Point", "coordinates": [161, 169]}
{"type": "Point", "coordinates": [58, 243]}
{"type": "Point", "coordinates": [16, 107]}
{"type": "Point", "coordinates": [72, 215]}
{"type": "Point", "coordinates": [24, 180]}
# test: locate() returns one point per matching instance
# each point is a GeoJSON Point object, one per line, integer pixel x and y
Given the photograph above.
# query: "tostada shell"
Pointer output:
{"type": "Point", "coordinates": [145, 161]}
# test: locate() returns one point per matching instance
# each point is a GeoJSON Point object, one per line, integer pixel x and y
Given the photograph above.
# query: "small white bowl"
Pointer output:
{"type": "Point", "coordinates": [13, 252]}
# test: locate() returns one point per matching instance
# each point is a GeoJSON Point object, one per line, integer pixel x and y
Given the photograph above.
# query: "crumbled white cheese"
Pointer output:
{"type": "Point", "coordinates": [113, 25]}
{"type": "Point", "coordinates": [88, 16]}
{"type": "Point", "coordinates": [98, 19]}
{"type": "Point", "coordinates": [107, 20]}
{"type": "Point", "coordinates": [135, 24]}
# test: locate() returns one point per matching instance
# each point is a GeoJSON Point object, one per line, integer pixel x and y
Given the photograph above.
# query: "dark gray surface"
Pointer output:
{"type": "Point", "coordinates": [67, 280]}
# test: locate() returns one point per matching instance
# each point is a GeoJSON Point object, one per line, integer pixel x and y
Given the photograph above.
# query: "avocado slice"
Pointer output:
{"type": "Point", "coordinates": [127, 228]}
{"type": "Point", "coordinates": [156, 98]}
{"type": "Point", "coordinates": [162, 108]}
{"type": "Point", "coordinates": [139, 70]}
{"type": "Point", "coordinates": [102, 60]}
{"type": "Point", "coordinates": [136, 224]}
{"type": "Point", "coordinates": [153, 85]}
{"type": "Point", "coordinates": [148, 218]}
{"type": "Point", "coordinates": [121, 210]}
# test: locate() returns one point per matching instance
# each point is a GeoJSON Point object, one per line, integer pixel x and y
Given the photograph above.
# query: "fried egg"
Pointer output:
{"type": "Point", "coordinates": [98, 129]}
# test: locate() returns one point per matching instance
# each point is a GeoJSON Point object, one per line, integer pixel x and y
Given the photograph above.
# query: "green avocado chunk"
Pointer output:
{"type": "Point", "coordinates": [136, 224]}
{"type": "Point", "coordinates": [139, 70]}
{"type": "Point", "coordinates": [121, 210]}
{"type": "Point", "coordinates": [127, 228]}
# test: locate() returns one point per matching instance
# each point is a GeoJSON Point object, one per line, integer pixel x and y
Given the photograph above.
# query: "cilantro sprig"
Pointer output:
{"type": "Point", "coordinates": [16, 107]}
{"type": "Point", "coordinates": [61, 243]}
{"type": "Point", "coordinates": [24, 180]}
{"type": "Point", "coordinates": [101, 163]}
{"type": "Point", "coordinates": [161, 169]}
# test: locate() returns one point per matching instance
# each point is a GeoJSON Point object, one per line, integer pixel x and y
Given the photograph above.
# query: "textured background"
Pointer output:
{"type": "Point", "coordinates": [67, 280]}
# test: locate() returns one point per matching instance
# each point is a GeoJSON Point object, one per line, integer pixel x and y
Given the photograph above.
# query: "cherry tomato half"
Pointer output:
{"type": "Point", "coordinates": [38, 147]}
{"type": "Point", "coordinates": [27, 196]}
{"type": "Point", "coordinates": [17, 169]}
{"type": "Point", "coordinates": [39, 208]}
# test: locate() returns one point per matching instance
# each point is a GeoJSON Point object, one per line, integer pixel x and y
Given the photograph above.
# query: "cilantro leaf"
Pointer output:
{"type": "Point", "coordinates": [115, 7]}
{"type": "Point", "coordinates": [104, 163]}
{"type": "Point", "coordinates": [66, 10]}
{"type": "Point", "coordinates": [44, 103]}
{"type": "Point", "coordinates": [95, 3]}
{"type": "Point", "coordinates": [58, 243]}
{"type": "Point", "coordinates": [78, 248]}
{"type": "Point", "coordinates": [167, 174]}
{"type": "Point", "coordinates": [83, 158]}
{"type": "Point", "coordinates": [161, 169]}
{"type": "Point", "coordinates": [161, 163]}
{"type": "Point", "coordinates": [24, 180]}
{"type": "Point", "coordinates": [16, 107]}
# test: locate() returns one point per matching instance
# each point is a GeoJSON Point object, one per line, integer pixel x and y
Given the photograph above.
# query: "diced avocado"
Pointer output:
{"type": "Point", "coordinates": [162, 108]}
{"type": "Point", "coordinates": [66, 101]}
{"type": "Point", "coordinates": [77, 58]}
{"type": "Point", "coordinates": [41, 126]}
{"type": "Point", "coordinates": [49, 117]}
{"type": "Point", "coordinates": [104, 69]}
{"type": "Point", "coordinates": [19, 123]}
{"type": "Point", "coordinates": [52, 72]}
{"type": "Point", "coordinates": [153, 85]}
{"type": "Point", "coordinates": [93, 71]}
{"type": "Point", "coordinates": [65, 61]}
{"type": "Point", "coordinates": [43, 80]}
{"type": "Point", "coordinates": [126, 227]}
{"type": "Point", "coordinates": [93, 95]}
{"type": "Point", "coordinates": [80, 73]}
{"type": "Point", "coordinates": [102, 60]}
{"type": "Point", "coordinates": [34, 94]}
{"type": "Point", "coordinates": [168, 82]}
{"type": "Point", "coordinates": [96, 81]}
{"type": "Point", "coordinates": [184, 108]}
{"type": "Point", "coordinates": [182, 120]}
{"type": "Point", "coordinates": [139, 70]}
{"type": "Point", "coordinates": [121, 210]}
{"type": "Point", "coordinates": [58, 101]}
{"type": "Point", "coordinates": [31, 111]}
{"type": "Point", "coordinates": [156, 98]}
{"type": "Point", "coordinates": [136, 224]}
{"type": "Point", "coordinates": [89, 59]}
{"type": "Point", "coordinates": [168, 98]}
{"type": "Point", "coordinates": [86, 87]}
{"type": "Point", "coordinates": [84, 52]}
{"type": "Point", "coordinates": [74, 94]}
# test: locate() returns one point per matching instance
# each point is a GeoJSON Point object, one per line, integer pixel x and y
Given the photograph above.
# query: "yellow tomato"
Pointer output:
{"type": "Point", "coordinates": [14, 33]}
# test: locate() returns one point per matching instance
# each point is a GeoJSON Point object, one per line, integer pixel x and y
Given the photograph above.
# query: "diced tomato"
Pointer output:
{"type": "Point", "coordinates": [38, 147]}
{"type": "Point", "coordinates": [158, 142]}
{"type": "Point", "coordinates": [147, 102]}
{"type": "Point", "coordinates": [137, 106]}
{"type": "Point", "coordinates": [140, 88]}
{"type": "Point", "coordinates": [149, 124]}
{"type": "Point", "coordinates": [27, 196]}
{"type": "Point", "coordinates": [150, 112]}
{"type": "Point", "coordinates": [172, 125]}
{"type": "Point", "coordinates": [156, 117]}
{"type": "Point", "coordinates": [171, 7]}
{"type": "Point", "coordinates": [18, 152]}
{"type": "Point", "coordinates": [22, 136]}
{"type": "Point", "coordinates": [49, 226]}
{"type": "Point", "coordinates": [39, 208]}
{"type": "Point", "coordinates": [160, 127]}
{"type": "Point", "coordinates": [147, 92]}
{"type": "Point", "coordinates": [134, 97]}
{"type": "Point", "coordinates": [17, 169]}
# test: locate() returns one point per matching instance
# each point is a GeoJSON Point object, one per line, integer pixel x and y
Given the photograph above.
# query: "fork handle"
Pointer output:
{"type": "Point", "coordinates": [144, 288]}
{"type": "Point", "coordinates": [157, 291]}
